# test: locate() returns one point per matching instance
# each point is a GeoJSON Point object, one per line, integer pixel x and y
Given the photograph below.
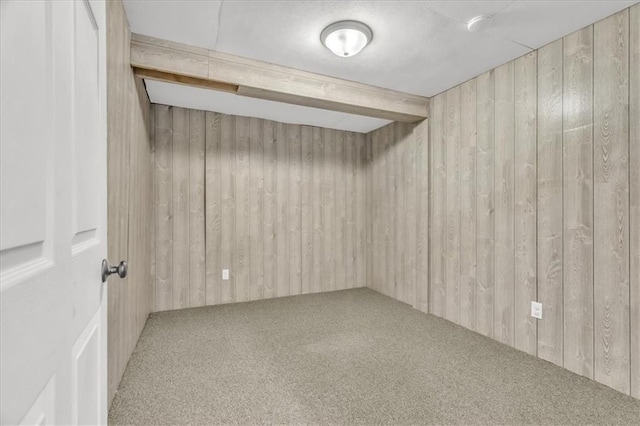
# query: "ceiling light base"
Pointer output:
{"type": "Point", "coordinates": [346, 38]}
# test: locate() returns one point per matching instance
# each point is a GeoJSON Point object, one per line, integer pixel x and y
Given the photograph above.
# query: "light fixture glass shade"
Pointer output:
{"type": "Point", "coordinates": [346, 38]}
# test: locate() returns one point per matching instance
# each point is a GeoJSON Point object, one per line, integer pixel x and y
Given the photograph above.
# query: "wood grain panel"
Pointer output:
{"type": "Point", "coordinates": [526, 288]}
{"type": "Point", "coordinates": [611, 192]}
{"type": "Point", "coordinates": [549, 240]}
{"type": "Point", "coordinates": [118, 165]}
{"type": "Point", "coordinates": [452, 247]}
{"type": "Point", "coordinates": [329, 210]}
{"type": "Point", "coordinates": [180, 200]}
{"type": "Point", "coordinates": [295, 220]}
{"type": "Point", "coordinates": [361, 211]}
{"type": "Point", "coordinates": [197, 272]}
{"type": "Point", "coordinates": [634, 196]}
{"type": "Point", "coordinates": [242, 265]}
{"type": "Point", "coordinates": [270, 208]}
{"type": "Point", "coordinates": [438, 213]}
{"type": "Point", "coordinates": [340, 211]}
{"type": "Point", "coordinates": [484, 204]}
{"type": "Point", "coordinates": [260, 195]}
{"type": "Point", "coordinates": [282, 219]}
{"type": "Point", "coordinates": [317, 213]}
{"type": "Point", "coordinates": [370, 215]}
{"type": "Point", "coordinates": [306, 208]}
{"type": "Point", "coordinates": [256, 206]}
{"type": "Point", "coordinates": [421, 137]}
{"type": "Point", "coordinates": [212, 207]}
{"type": "Point", "coordinates": [468, 204]}
{"type": "Point", "coordinates": [395, 236]}
{"type": "Point", "coordinates": [504, 289]}
{"type": "Point", "coordinates": [153, 218]}
{"type": "Point", "coordinates": [164, 205]}
{"type": "Point", "coordinates": [550, 190]}
{"type": "Point", "coordinates": [384, 226]}
{"type": "Point", "coordinates": [228, 202]}
{"type": "Point", "coordinates": [131, 193]}
{"type": "Point", "coordinates": [351, 200]}
{"type": "Point", "coordinates": [577, 127]}
{"type": "Point", "coordinates": [373, 208]}
{"type": "Point", "coordinates": [410, 218]}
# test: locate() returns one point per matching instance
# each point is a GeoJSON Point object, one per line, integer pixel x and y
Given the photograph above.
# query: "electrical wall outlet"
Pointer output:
{"type": "Point", "coordinates": [536, 310]}
{"type": "Point", "coordinates": [225, 274]}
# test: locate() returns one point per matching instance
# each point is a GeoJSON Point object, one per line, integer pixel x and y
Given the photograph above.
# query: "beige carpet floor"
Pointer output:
{"type": "Point", "coordinates": [344, 357]}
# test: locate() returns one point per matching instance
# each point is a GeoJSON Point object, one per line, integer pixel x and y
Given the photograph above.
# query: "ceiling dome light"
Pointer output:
{"type": "Point", "coordinates": [478, 23]}
{"type": "Point", "coordinates": [346, 38]}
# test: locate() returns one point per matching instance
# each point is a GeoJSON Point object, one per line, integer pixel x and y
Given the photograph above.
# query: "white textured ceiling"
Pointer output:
{"type": "Point", "coordinates": [419, 47]}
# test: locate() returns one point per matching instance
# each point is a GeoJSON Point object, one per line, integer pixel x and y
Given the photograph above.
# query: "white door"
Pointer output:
{"type": "Point", "coordinates": [52, 212]}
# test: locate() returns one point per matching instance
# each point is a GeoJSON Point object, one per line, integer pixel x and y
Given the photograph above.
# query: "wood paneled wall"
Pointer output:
{"type": "Point", "coordinates": [535, 195]}
{"type": "Point", "coordinates": [281, 206]}
{"type": "Point", "coordinates": [397, 212]}
{"type": "Point", "coordinates": [130, 196]}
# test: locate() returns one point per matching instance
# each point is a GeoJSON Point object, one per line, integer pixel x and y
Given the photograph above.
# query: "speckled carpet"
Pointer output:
{"type": "Point", "coordinates": [352, 356]}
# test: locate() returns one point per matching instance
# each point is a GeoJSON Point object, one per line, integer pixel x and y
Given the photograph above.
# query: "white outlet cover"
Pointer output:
{"type": "Point", "coordinates": [536, 310]}
{"type": "Point", "coordinates": [225, 274]}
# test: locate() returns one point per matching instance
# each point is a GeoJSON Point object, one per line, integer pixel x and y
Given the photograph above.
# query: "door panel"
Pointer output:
{"type": "Point", "coordinates": [25, 152]}
{"type": "Point", "coordinates": [42, 412]}
{"type": "Point", "coordinates": [53, 216]}
{"type": "Point", "coordinates": [86, 101]}
{"type": "Point", "coordinates": [86, 397]}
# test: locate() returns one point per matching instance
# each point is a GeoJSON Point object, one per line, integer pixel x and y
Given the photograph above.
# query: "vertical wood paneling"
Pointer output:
{"type": "Point", "coordinates": [578, 201]}
{"type": "Point", "coordinates": [242, 247]}
{"type": "Point", "coordinates": [153, 219]}
{"type": "Point", "coordinates": [485, 204]}
{"type": "Point", "coordinates": [164, 203]}
{"type": "Point", "coordinates": [228, 203]}
{"type": "Point", "coordinates": [212, 207]}
{"type": "Point", "coordinates": [504, 206]}
{"type": "Point", "coordinates": [340, 211]}
{"type": "Point", "coordinates": [180, 208]}
{"type": "Point", "coordinates": [386, 226]}
{"type": "Point", "coordinates": [351, 200]}
{"type": "Point", "coordinates": [611, 190]}
{"type": "Point", "coordinates": [131, 192]}
{"type": "Point", "coordinates": [452, 274]}
{"type": "Point", "coordinates": [306, 140]}
{"type": "Point", "coordinates": [281, 206]}
{"type": "Point", "coordinates": [256, 206]}
{"type": "Point", "coordinates": [329, 210]}
{"type": "Point", "coordinates": [270, 209]}
{"type": "Point", "coordinates": [370, 215]}
{"type": "Point", "coordinates": [394, 199]}
{"type": "Point", "coordinates": [549, 240]}
{"type": "Point", "coordinates": [634, 196]}
{"type": "Point", "coordinates": [525, 328]}
{"type": "Point", "coordinates": [317, 213]}
{"type": "Point", "coordinates": [374, 208]}
{"type": "Point", "coordinates": [197, 272]}
{"type": "Point", "coordinates": [438, 210]}
{"type": "Point", "coordinates": [361, 211]}
{"type": "Point", "coordinates": [421, 136]}
{"type": "Point", "coordinates": [409, 217]}
{"type": "Point", "coordinates": [295, 220]}
{"type": "Point", "coordinates": [541, 164]}
{"type": "Point", "coordinates": [118, 160]}
{"type": "Point", "coordinates": [282, 219]}
{"type": "Point", "coordinates": [468, 204]}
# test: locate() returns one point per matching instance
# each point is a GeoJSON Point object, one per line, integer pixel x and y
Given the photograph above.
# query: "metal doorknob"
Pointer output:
{"type": "Point", "coordinates": [107, 270]}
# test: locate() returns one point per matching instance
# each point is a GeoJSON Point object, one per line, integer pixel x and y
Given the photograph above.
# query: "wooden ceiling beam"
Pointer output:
{"type": "Point", "coordinates": [179, 63]}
